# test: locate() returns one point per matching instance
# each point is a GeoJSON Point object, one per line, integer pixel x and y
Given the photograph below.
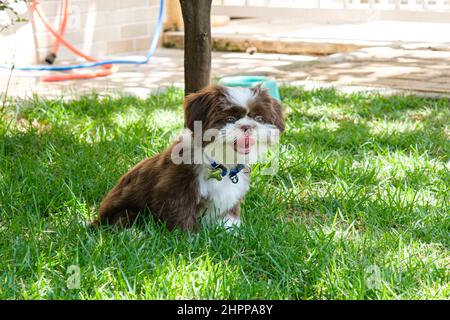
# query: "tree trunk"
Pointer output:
{"type": "Point", "coordinates": [197, 44]}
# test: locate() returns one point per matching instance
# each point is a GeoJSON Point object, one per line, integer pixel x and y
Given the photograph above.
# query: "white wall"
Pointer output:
{"type": "Point", "coordinates": [96, 27]}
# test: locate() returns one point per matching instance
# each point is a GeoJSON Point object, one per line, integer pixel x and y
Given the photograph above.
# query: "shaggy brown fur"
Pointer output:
{"type": "Point", "coordinates": [170, 191]}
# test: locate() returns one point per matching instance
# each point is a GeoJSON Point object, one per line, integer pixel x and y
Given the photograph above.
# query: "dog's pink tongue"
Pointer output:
{"type": "Point", "coordinates": [243, 144]}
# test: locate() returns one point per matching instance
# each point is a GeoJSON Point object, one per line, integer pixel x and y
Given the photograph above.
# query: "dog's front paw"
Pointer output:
{"type": "Point", "coordinates": [231, 222]}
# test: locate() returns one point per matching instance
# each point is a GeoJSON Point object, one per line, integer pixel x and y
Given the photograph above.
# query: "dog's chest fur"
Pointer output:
{"type": "Point", "coordinates": [219, 197]}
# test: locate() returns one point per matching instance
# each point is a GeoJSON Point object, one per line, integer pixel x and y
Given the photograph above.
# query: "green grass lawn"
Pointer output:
{"type": "Point", "coordinates": [358, 210]}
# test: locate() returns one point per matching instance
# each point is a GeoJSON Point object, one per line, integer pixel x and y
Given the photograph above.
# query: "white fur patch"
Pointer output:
{"type": "Point", "coordinates": [222, 150]}
{"type": "Point", "coordinates": [220, 196]}
{"type": "Point", "coordinates": [240, 96]}
{"type": "Point", "coordinates": [246, 121]}
{"type": "Point", "coordinates": [230, 222]}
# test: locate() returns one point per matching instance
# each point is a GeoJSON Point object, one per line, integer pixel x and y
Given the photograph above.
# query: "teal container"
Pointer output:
{"type": "Point", "coordinates": [252, 81]}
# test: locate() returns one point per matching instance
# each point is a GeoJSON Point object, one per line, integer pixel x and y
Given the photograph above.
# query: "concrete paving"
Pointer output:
{"type": "Point", "coordinates": [295, 36]}
{"type": "Point", "coordinates": [382, 69]}
{"type": "Point", "coordinates": [371, 32]}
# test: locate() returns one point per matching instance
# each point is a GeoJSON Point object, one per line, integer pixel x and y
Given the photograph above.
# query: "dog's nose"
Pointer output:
{"type": "Point", "coordinates": [246, 127]}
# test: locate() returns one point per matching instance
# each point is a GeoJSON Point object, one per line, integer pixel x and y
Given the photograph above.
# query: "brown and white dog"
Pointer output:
{"type": "Point", "coordinates": [194, 182]}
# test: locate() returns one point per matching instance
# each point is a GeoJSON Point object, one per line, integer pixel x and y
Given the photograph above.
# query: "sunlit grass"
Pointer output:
{"type": "Point", "coordinates": [363, 183]}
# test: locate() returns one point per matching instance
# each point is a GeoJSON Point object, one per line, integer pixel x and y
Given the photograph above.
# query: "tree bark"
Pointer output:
{"type": "Point", "coordinates": [197, 44]}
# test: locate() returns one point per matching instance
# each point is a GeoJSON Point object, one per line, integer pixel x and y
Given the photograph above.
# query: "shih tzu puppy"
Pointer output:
{"type": "Point", "coordinates": [203, 176]}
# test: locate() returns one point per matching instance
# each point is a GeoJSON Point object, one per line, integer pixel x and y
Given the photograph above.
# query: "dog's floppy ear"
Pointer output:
{"type": "Point", "coordinates": [198, 105]}
{"type": "Point", "coordinates": [258, 89]}
{"type": "Point", "coordinates": [279, 114]}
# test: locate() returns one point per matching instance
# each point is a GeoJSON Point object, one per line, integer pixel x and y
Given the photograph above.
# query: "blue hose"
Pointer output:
{"type": "Point", "coordinates": [150, 53]}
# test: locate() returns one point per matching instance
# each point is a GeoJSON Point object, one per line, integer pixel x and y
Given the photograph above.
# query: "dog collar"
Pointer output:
{"type": "Point", "coordinates": [218, 171]}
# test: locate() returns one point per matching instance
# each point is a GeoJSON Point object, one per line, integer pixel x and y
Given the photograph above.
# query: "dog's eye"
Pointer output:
{"type": "Point", "coordinates": [259, 119]}
{"type": "Point", "coordinates": [231, 119]}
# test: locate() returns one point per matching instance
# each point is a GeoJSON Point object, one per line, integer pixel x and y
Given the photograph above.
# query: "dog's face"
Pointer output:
{"type": "Point", "coordinates": [237, 124]}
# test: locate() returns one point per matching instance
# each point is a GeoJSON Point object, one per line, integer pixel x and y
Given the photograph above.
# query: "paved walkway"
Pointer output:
{"type": "Point", "coordinates": [298, 36]}
{"type": "Point", "coordinates": [383, 69]}
{"type": "Point", "coordinates": [400, 34]}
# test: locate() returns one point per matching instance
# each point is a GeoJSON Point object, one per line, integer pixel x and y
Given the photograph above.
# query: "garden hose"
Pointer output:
{"type": "Point", "coordinates": [60, 40]}
{"type": "Point", "coordinates": [50, 59]}
{"type": "Point", "coordinates": [91, 63]}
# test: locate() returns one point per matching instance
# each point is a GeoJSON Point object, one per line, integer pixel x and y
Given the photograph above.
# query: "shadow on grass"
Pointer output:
{"type": "Point", "coordinates": [53, 180]}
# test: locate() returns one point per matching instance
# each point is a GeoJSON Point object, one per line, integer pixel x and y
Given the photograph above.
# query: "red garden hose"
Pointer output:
{"type": "Point", "coordinates": [59, 39]}
{"type": "Point", "coordinates": [91, 63]}
{"type": "Point", "coordinates": [62, 29]}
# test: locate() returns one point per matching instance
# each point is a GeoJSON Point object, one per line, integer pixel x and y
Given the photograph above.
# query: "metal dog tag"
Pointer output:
{"type": "Point", "coordinates": [215, 174]}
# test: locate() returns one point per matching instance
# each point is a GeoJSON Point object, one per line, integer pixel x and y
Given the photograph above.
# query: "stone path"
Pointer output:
{"type": "Point", "coordinates": [419, 71]}
{"type": "Point", "coordinates": [383, 69]}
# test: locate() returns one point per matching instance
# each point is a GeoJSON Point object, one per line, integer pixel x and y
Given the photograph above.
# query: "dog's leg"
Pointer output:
{"type": "Point", "coordinates": [120, 207]}
{"type": "Point", "coordinates": [115, 210]}
{"type": "Point", "coordinates": [118, 218]}
{"type": "Point", "coordinates": [232, 218]}
{"type": "Point", "coordinates": [179, 212]}
{"type": "Point", "coordinates": [125, 218]}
